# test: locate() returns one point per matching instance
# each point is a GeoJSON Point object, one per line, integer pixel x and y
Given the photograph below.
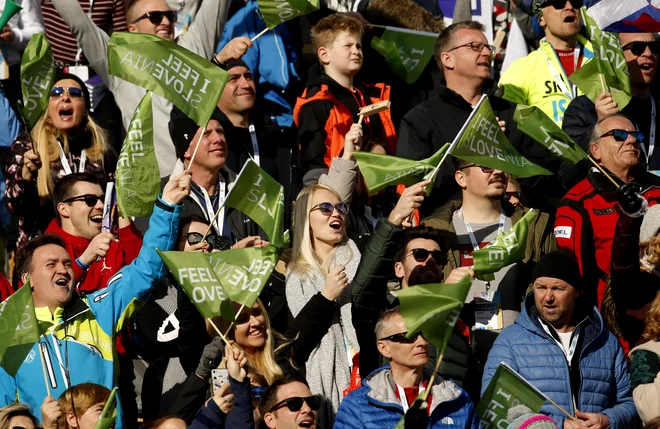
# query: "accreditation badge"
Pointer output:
{"type": "Point", "coordinates": [488, 310]}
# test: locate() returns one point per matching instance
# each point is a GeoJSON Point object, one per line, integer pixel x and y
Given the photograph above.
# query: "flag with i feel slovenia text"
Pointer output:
{"type": "Point", "coordinates": [406, 52]}
{"type": "Point", "coordinates": [19, 329]}
{"type": "Point", "coordinates": [194, 274]}
{"type": "Point", "coordinates": [275, 12]}
{"type": "Point", "coordinates": [482, 141]}
{"type": "Point", "coordinates": [37, 78]}
{"type": "Point", "coordinates": [191, 82]}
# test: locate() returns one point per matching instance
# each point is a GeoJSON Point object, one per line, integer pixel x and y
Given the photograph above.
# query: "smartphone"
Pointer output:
{"type": "Point", "coordinates": [218, 378]}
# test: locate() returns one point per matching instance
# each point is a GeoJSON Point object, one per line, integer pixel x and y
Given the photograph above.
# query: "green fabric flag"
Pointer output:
{"type": "Point", "coordinates": [608, 67]}
{"type": "Point", "coordinates": [482, 141]}
{"type": "Point", "coordinates": [194, 274]}
{"type": "Point", "coordinates": [380, 171]}
{"type": "Point", "coordinates": [137, 175]}
{"type": "Point", "coordinates": [191, 82]}
{"type": "Point", "coordinates": [19, 329]}
{"type": "Point", "coordinates": [507, 389]}
{"type": "Point", "coordinates": [275, 12]}
{"type": "Point", "coordinates": [37, 78]}
{"type": "Point", "coordinates": [406, 52]}
{"type": "Point", "coordinates": [532, 121]}
{"type": "Point", "coordinates": [505, 250]}
{"type": "Point", "coordinates": [109, 413]}
{"type": "Point", "coordinates": [244, 272]}
{"type": "Point", "coordinates": [433, 309]}
{"type": "Point", "coordinates": [10, 10]}
{"type": "Point", "coordinates": [260, 197]}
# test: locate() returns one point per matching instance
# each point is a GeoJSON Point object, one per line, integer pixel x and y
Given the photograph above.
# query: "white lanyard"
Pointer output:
{"type": "Point", "coordinates": [65, 162]}
{"type": "Point", "coordinates": [210, 211]}
{"type": "Point", "coordinates": [473, 239]}
{"type": "Point", "coordinates": [651, 137]}
{"type": "Point", "coordinates": [572, 346]}
{"type": "Point", "coordinates": [560, 78]}
{"type": "Point", "coordinates": [404, 399]}
{"type": "Point", "coordinates": [89, 14]}
{"type": "Point", "coordinates": [255, 145]}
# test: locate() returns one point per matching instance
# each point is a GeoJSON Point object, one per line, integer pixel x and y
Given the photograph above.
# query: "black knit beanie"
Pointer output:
{"type": "Point", "coordinates": [61, 76]}
{"type": "Point", "coordinates": [559, 265]}
{"type": "Point", "coordinates": [183, 129]}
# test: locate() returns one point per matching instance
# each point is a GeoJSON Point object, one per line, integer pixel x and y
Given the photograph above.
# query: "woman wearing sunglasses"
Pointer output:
{"type": "Point", "coordinates": [17, 416]}
{"type": "Point", "coordinates": [63, 141]}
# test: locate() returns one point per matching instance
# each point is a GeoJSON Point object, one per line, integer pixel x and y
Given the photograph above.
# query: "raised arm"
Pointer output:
{"type": "Point", "coordinates": [206, 30]}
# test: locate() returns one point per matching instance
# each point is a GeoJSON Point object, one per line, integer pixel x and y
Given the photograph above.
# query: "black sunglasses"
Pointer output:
{"type": "Point", "coordinates": [218, 242]}
{"type": "Point", "coordinates": [486, 170]}
{"type": "Point", "coordinates": [638, 48]}
{"type": "Point", "coordinates": [295, 404]}
{"type": "Point", "coordinates": [326, 209]}
{"type": "Point", "coordinates": [401, 337]}
{"type": "Point", "coordinates": [421, 255]}
{"type": "Point", "coordinates": [59, 91]}
{"type": "Point", "coordinates": [622, 135]}
{"type": "Point", "coordinates": [156, 17]}
{"type": "Point", "coordinates": [508, 195]}
{"type": "Point", "coordinates": [245, 315]}
{"type": "Point", "coordinates": [560, 4]}
{"type": "Point", "coordinates": [89, 199]}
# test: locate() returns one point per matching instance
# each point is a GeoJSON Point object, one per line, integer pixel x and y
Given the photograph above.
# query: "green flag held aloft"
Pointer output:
{"type": "Point", "coordinates": [608, 70]}
{"type": "Point", "coordinates": [260, 197]}
{"type": "Point", "coordinates": [109, 413]}
{"type": "Point", "coordinates": [37, 78]}
{"type": "Point", "coordinates": [505, 250]}
{"type": "Point", "coordinates": [507, 389]}
{"type": "Point", "coordinates": [483, 142]}
{"type": "Point", "coordinates": [137, 175]}
{"type": "Point", "coordinates": [191, 82]}
{"type": "Point", "coordinates": [244, 272]}
{"type": "Point", "coordinates": [275, 12]}
{"type": "Point", "coordinates": [535, 123]}
{"type": "Point", "coordinates": [433, 309]}
{"type": "Point", "coordinates": [381, 171]}
{"type": "Point", "coordinates": [19, 329]}
{"type": "Point", "coordinates": [406, 52]}
{"type": "Point", "coordinates": [10, 10]}
{"type": "Point", "coordinates": [194, 274]}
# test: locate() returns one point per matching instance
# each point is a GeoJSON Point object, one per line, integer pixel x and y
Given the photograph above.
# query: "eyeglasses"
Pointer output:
{"type": "Point", "coordinates": [560, 4]}
{"type": "Point", "coordinates": [508, 195]}
{"type": "Point", "coordinates": [421, 255]}
{"type": "Point", "coordinates": [638, 48]}
{"type": "Point", "coordinates": [476, 46]}
{"type": "Point", "coordinates": [295, 403]}
{"type": "Point", "coordinates": [327, 209]}
{"type": "Point", "coordinates": [72, 92]}
{"type": "Point", "coordinates": [486, 170]}
{"type": "Point", "coordinates": [156, 17]}
{"type": "Point", "coordinates": [218, 242]}
{"type": "Point", "coordinates": [89, 199]}
{"type": "Point", "coordinates": [402, 337]}
{"type": "Point", "coordinates": [622, 135]}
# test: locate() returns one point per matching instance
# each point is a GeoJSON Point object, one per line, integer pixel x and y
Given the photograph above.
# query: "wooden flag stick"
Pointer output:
{"type": "Point", "coordinates": [435, 371]}
{"type": "Point", "coordinates": [215, 216]}
{"type": "Point", "coordinates": [219, 333]}
{"type": "Point", "coordinates": [602, 171]}
{"type": "Point", "coordinates": [199, 140]}
{"type": "Point", "coordinates": [260, 34]}
{"type": "Point", "coordinates": [43, 367]}
{"type": "Point", "coordinates": [238, 313]}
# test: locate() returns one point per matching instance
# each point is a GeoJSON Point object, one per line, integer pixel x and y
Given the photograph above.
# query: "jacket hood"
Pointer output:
{"type": "Point", "coordinates": [77, 244]}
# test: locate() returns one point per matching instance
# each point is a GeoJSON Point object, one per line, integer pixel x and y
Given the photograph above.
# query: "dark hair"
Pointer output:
{"type": "Point", "coordinates": [23, 259]}
{"type": "Point", "coordinates": [446, 36]}
{"type": "Point", "coordinates": [459, 163]}
{"type": "Point", "coordinates": [155, 423]}
{"type": "Point", "coordinates": [185, 220]}
{"type": "Point", "coordinates": [409, 234]}
{"type": "Point", "coordinates": [369, 142]}
{"type": "Point", "coordinates": [270, 395]}
{"type": "Point", "coordinates": [653, 424]}
{"type": "Point", "coordinates": [64, 187]}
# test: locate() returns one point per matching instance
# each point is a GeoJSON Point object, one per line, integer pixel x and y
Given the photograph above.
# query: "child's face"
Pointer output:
{"type": "Point", "coordinates": [344, 55]}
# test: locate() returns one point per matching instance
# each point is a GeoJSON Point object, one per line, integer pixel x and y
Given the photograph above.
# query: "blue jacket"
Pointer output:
{"type": "Point", "coordinates": [376, 406]}
{"type": "Point", "coordinates": [79, 340]}
{"type": "Point", "coordinates": [603, 371]}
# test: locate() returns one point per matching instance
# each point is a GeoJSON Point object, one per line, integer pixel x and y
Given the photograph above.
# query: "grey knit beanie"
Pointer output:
{"type": "Point", "coordinates": [521, 417]}
{"type": "Point", "coordinates": [650, 224]}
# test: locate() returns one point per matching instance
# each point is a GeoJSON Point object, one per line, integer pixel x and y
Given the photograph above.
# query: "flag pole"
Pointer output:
{"type": "Point", "coordinates": [260, 34]}
{"type": "Point", "coordinates": [215, 216]}
{"type": "Point", "coordinates": [43, 367]}
{"type": "Point", "coordinates": [602, 171]}
{"type": "Point", "coordinates": [435, 371]}
{"type": "Point", "coordinates": [238, 313]}
{"type": "Point", "coordinates": [603, 85]}
{"type": "Point", "coordinates": [215, 327]}
{"type": "Point", "coordinates": [199, 140]}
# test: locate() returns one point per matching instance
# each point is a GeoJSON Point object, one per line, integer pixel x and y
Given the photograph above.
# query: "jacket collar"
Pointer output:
{"type": "Point", "coordinates": [451, 96]}
{"type": "Point", "coordinates": [78, 244]}
{"type": "Point", "coordinates": [72, 309]}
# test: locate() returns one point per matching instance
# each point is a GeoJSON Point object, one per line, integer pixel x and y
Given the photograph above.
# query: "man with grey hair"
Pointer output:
{"type": "Point", "coordinates": [586, 218]}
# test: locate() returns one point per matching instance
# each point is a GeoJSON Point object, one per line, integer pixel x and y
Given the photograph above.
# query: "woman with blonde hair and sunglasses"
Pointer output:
{"type": "Point", "coordinates": [64, 140]}
{"type": "Point", "coordinates": [17, 416]}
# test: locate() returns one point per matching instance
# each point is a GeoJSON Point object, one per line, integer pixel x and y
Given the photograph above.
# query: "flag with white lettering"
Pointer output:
{"type": "Point", "coordinates": [535, 123]}
{"type": "Point", "coordinates": [406, 52]}
{"type": "Point", "coordinates": [19, 329]}
{"type": "Point", "coordinates": [483, 142]}
{"type": "Point", "coordinates": [109, 413]}
{"type": "Point", "coordinates": [433, 309]}
{"type": "Point", "coordinates": [37, 78]}
{"type": "Point", "coordinates": [194, 274]}
{"type": "Point", "coordinates": [137, 175]}
{"type": "Point", "coordinates": [260, 197]}
{"type": "Point", "coordinates": [191, 82]}
{"type": "Point", "coordinates": [244, 272]}
{"type": "Point", "coordinates": [275, 12]}
{"type": "Point", "coordinates": [507, 389]}
{"type": "Point", "coordinates": [506, 249]}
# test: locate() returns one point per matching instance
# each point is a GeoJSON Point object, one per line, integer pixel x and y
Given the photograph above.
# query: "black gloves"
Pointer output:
{"type": "Point", "coordinates": [417, 415]}
{"type": "Point", "coordinates": [630, 200]}
{"type": "Point", "coordinates": [211, 357]}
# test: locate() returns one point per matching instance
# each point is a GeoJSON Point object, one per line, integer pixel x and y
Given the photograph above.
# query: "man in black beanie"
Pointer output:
{"type": "Point", "coordinates": [560, 345]}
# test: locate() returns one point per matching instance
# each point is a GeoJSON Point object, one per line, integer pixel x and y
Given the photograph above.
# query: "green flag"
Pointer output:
{"type": "Point", "coordinates": [244, 272]}
{"type": "Point", "coordinates": [109, 413]}
{"type": "Point", "coordinates": [191, 82]}
{"type": "Point", "coordinates": [137, 175]}
{"type": "Point", "coordinates": [433, 309]}
{"type": "Point", "coordinates": [194, 274]}
{"type": "Point", "coordinates": [607, 68]}
{"type": "Point", "coordinates": [10, 10]}
{"type": "Point", "coordinates": [505, 250]}
{"type": "Point", "coordinates": [19, 329]}
{"type": "Point", "coordinates": [535, 123]}
{"type": "Point", "coordinates": [380, 171]}
{"type": "Point", "coordinates": [37, 78]}
{"type": "Point", "coordinates": [260, 197]}
{"type": "Point", "coordinates": [482, 141]}
{"type": "Point", "coordinates": [406, 52]}
{"type": "Point", "coordinates": [275, 12]}
{"type": "Point", "coordinates": [507, 389]}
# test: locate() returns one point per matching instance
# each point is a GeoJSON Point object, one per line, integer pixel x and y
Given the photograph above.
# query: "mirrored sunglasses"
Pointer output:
{"type": "Point", "coordinates": [622, 135]}
{"type": "Point", "coordinates": [326, 209]}
{"type": "Point", "coordinates": [73, 92]}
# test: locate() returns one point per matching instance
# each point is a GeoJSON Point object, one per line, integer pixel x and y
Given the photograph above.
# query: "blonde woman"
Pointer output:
{"type": "Point", "coordinates": [645, 367]}
{"type": "Point", "coordinates": [17, 415]}
{"type": "Point", "coordinates": [64, 140]}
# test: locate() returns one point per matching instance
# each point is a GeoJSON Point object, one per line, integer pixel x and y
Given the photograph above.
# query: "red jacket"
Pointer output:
{"type": "Point", "coordinates": [585, 225]}
{"type": "Point", "coordinates": [5, 288]}
{"type": "Point", "coordinates": [120, 254]}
